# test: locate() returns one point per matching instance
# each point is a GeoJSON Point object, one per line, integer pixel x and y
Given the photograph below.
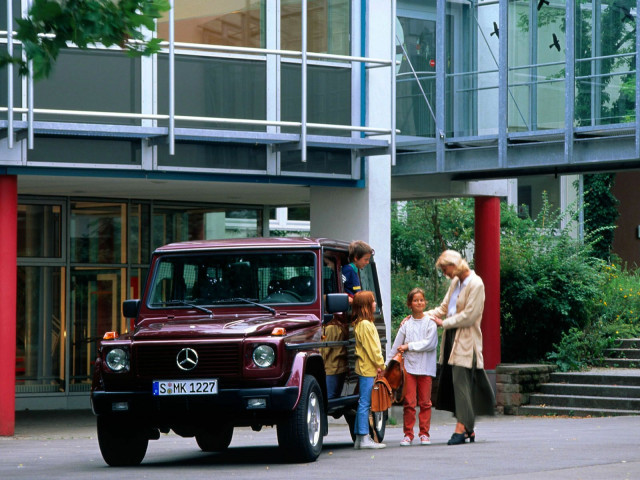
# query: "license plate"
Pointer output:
{"type": "Point", "coordinates": [185, 387]}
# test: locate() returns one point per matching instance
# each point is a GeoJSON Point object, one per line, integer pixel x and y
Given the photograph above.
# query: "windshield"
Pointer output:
{"type": "Point", "coordinates": [215, 279]}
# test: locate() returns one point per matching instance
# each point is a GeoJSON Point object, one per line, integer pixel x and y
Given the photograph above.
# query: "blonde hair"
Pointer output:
{"type": "Point", "coordinates": [451, 257]}
{"type": "Point", "coordinates": [362, 306]}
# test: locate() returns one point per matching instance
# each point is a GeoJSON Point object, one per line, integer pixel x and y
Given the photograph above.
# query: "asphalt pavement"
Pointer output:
{"type": "Point", "coordinates": [63, 444]}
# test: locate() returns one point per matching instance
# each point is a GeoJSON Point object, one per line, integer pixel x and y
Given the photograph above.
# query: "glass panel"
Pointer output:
{"type": "Point", "coordinates": [605, 62]}
{"type": "Point", "coordinates": [72, 86]}
{"type": "Point", "coordinates": [96, 296]}
{"type": "Point", "coordinates": [327, 26]}
{"type": "Point", "coordinates": [90, 151]}
{"type": "Point", "coordinates": [97, 232]}
{"type": "Point", "coordinates": [472, 69]}
{"type": "Point", "coordinates": [318, 161]}
{"type": "Point", "coordinates": [416, 76]}
{"type": "Point", "coordinates": [139, 233]}
{"type": "Point", "coordinates": [536, 65]}
{"type": "Point", "coordinates": [214, 87]}
{"type": "Point", "coordinates": [180, 224]}
{"type": "Point", "coordinates": [328, 97]}
{"type": "Point", "coordinates": [219, 155]}
{"type": "Point", "coordinates": [40, 346]}
{"type": "Point", "coordinates": [220, 279]}
{"type": "Point", "coordinates": [39, 231]}
{"type": "Point", "coordinates": [237, 23]}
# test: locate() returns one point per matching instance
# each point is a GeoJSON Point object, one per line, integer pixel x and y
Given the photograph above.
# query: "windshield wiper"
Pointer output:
{"type": "Point", "coordinates": [246, 300]}
{"type": "Point", "coordinates": [186, 304]}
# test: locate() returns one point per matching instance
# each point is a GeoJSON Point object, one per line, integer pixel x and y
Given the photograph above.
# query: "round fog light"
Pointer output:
{"type": "Point", "coordinates": [117, 360]}
{"type": "Point", "coordinates": [264, 356]}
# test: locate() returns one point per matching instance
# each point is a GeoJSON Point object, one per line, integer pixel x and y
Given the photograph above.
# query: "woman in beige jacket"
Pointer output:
{"type": "Point", "coordinates": [463, 387]}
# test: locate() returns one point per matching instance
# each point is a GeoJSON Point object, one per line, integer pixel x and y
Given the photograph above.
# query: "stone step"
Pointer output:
{"type": "Point", "coordinates": [631, 378]}
{"type": "Point", "coordinates": [584, 401]}
{"type": "Point", "coordinates": [621, 391]}
{"type": "Point", "coordinates": [629, 343]}
{"type": "Point", "coordinates": [572, 412]}
{"type": "Point", "coordinates": [621, 362]}
{"type": "Point", "coordinates": [623, 352]}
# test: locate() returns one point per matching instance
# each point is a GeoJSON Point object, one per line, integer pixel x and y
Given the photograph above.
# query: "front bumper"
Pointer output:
{"type": "Point", "coordinates": [232, 403]}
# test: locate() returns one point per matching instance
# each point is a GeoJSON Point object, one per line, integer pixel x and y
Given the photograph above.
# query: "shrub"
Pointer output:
{"type": "Point", "coordinates": [549, 284]}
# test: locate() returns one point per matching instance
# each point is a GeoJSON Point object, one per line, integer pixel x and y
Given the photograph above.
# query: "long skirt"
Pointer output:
{"type": "Point", "coordinates": [466, 392]}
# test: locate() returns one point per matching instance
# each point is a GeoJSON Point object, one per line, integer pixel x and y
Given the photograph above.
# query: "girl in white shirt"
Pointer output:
{"type": "Point", "coordinates": [417, 340]}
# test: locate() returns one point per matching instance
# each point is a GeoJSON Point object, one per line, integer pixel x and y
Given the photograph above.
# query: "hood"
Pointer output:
{"type": "Point", "coordinates": [196, 326]}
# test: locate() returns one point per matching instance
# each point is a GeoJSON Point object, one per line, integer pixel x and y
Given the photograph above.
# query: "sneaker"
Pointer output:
{"type": "Point", "coordinates": [366, 443]}
{"type": "Point", "coordinates": [425, 440]}
{"type": "Point", "coordinates": [406, 441]}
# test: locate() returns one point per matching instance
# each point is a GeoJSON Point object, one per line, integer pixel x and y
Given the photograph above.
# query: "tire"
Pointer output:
{"type": "Point", "coordinates": [378, 425]}
{"type": "Point", "coordinates": [300, 436]}
{"type": "Point", "coordinates": [122, 443]}
{"type": "Point", "coordinates": [215, 440]}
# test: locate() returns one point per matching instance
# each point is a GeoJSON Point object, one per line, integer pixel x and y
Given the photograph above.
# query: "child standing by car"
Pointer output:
{"type": "Point", "coordinates": [359, 256]}
{"type": "Point", "coordinates": [417, 340]}
{"type": "Point", "coordinates": [369, 363]}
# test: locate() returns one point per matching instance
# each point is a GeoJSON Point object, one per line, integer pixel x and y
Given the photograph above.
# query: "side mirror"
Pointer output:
{"type": "Point", "coordinates": [336, 302]}
{"type": "Point", "coordinates": [130, 308]}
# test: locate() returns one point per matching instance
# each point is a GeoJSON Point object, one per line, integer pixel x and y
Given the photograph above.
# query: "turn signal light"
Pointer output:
{"type": "Point", "coordinates": [110, 336]}
{"type": "Point", "coordinates": [278, 331]}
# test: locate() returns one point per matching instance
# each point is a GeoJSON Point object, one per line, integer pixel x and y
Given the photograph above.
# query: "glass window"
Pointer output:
{"type": "Point", "coordinates": [416, 76]}
{"type": "Point", "coordinates": [318, 161]}
{"type": "Point", "coordinates": [90, 151]}
{"type": "Point", "coordinates": [72, 86]}
{"type": "Point", "coordinates": [97, 232]}
{"type": "Point", "coordinates": [217, 155]}
{"type": "Point", "coordinates": [232, 22]}
{"type": "Point", "coordinates": [40, 328]}
{"type": "Point", "coordinates": [536, 65]}
{"type": "Point", "coordinates": [327, 26]}
{"type": "Point", "coordinates": [222, 279]}
{"type": "Point", "coordinates": [139, 233]}
{"type": "Point", "coordinates": [39, 231]}
{"type": "Point", "coordinates": [179, 224]}
{"type": "Point", "coordinates": [95, 298]}
{"type": "Point", "coordinates": [214, 87]}
{"type": "Point", "coordinates": [605, 62]}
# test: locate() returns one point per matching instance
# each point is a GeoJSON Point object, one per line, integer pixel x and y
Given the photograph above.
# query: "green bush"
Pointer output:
{"type": "Point", "coordinates": [549, 282]}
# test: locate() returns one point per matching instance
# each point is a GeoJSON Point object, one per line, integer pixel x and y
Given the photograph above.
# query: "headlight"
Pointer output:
{"type": "Point", "coordinates": [117, 360]}
{"type": "Point", "coordinates": [264, 356]}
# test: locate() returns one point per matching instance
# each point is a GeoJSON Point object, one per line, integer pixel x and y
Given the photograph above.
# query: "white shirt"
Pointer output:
{"type": "Point", "coordinates": [421, 334]}
{"type": "Point", "coordinates": [451, 308]}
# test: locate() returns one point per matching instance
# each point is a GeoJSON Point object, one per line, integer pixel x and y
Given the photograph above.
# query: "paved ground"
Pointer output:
{"type": "Point", "coordinates": [63, 444]}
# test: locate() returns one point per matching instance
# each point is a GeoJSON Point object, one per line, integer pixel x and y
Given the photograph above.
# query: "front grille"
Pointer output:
{"type": "Point", "coordinates": [215, 360]}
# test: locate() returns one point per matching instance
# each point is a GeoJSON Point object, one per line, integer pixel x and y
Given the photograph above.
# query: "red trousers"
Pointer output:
{"type": "Point", "coordinates": [418, 393]}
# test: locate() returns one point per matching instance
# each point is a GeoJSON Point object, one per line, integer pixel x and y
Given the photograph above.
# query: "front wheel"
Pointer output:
{"type": "Point", "coordinates": [300, 436]}
{"type": "Point", "coordinates": [122, 442]}
{"type": "Point", "coordinates": [215, 441]}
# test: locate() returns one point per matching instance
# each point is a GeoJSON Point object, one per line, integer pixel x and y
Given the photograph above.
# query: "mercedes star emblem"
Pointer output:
{"type": "Point", "coordinates": [187, 359]}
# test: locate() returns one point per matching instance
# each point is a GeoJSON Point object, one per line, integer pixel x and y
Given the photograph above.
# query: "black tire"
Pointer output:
{"type": "Point", "coordinates": [378, 425]}
{"type": "Point", "coordinates": [300, 436]}
{"type": "Point", "coordinates": [215, 440]}
{"type": "Point", "coordinates": [122, 442]}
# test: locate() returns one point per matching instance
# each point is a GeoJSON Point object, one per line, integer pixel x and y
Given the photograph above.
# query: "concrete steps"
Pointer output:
{"type": "Point", "coordinates": [598, 392]}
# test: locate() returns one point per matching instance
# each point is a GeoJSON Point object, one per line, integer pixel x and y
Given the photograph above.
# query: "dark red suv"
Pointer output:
{"type": "Point", "coordinates": [231, 333]}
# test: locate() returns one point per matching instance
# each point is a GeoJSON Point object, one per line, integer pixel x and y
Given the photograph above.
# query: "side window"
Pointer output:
{"type": "Point", "coordinates": [368, 282]}
{"type": "Point", "coordinates": [329, 274]}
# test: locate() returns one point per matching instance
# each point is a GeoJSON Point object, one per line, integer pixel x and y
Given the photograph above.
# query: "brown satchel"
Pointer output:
{"type": "Point", "coordinates": [380, 395]}
{"type": "Point", "coordinates": [394, 373]}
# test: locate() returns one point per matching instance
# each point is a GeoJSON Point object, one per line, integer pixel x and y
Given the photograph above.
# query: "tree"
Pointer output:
{"type": "Point", "coordinates": [600, 211]}
{"type": "Point", "coordinates": [50, 24]}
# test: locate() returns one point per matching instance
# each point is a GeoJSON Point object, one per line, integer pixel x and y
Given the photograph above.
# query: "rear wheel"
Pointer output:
{"type": "Point", "coordinates": [300, 436]}
{"type": "Point", "coordinates": [215, 440]}
{"type": "Point", "coordinates": [122, 442]}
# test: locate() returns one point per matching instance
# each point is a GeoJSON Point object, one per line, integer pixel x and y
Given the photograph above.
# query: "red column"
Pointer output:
{"type": "Point", "coordinates": [487, 265]}
{"type": "Point", "coordinates": [8, 280]}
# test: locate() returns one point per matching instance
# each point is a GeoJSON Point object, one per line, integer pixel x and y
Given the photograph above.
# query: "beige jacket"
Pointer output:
{"type": "Point", "coordinates": [469, 308]}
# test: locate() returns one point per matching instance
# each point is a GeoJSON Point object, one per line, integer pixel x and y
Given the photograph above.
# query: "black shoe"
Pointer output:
{"type": "Point", "coordinates": [471, 436]}
{"type": "Point", "coordinates": [457, 439]}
